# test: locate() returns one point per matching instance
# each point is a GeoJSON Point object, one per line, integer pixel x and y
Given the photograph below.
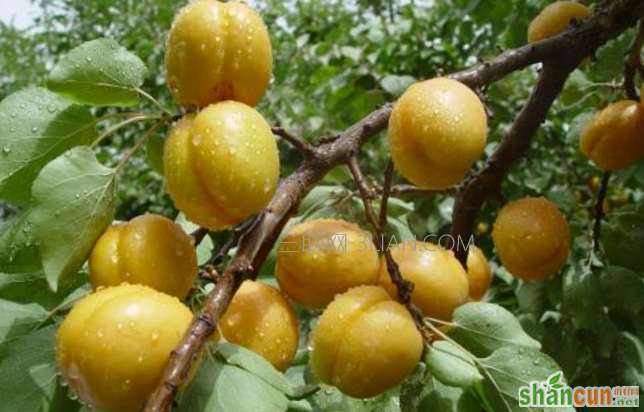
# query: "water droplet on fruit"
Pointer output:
{"type": "Point", "coordinates": [196, 139]}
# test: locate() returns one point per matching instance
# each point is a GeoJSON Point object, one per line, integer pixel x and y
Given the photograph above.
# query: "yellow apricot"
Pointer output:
{"type": "Point", "coordinates": [364, 343]}
{"type": "Point", "coordinates": [437, 130]}
{"type": "Point", "coordinates": [218, 51]}
{"type": "Point", "coordinates": [440, 282]}
{"type": "Point", "coordinates": [555, 19]}
{"type": "Point", "coordinates": [150, 250]}
{"type": "Point", "coordinates": [532, 238]}
{"type": "Point", "coordinates": [113, 346]}
{"type": "Point", "coordinates": [260, 319]}
{"type": "Point", "coordinates": [478, 273]}
{"type": "Point", "coordinates": [313, 277]}
{"type": "Point", "coordinates": [613, 138]}
{"type": "Point", "coordinates": [222, 165]}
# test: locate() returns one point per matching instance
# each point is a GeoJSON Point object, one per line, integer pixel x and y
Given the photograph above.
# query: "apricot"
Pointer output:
{"type": "Point", "coordinates": [556, 18]}
{"type": "Point", "coordinates": [612, 138]}
{"type": "Point", "coordinates": [364, 343]}
{"type": "Point", "coordinates": [313, 267]}
{"type": "Point", "coordinates": [113, 346]}
{"type": "Point", "coordinates": [150, 250]}
{"type": "Point", "coordinates": [437, 130]}
{"type": "Point", "coordinates": [218, 51]}
{"type": "Point", "coordinates": [532, 238]}
{"type": "Point", "coordinates": [260, 319]}
{"type": "Point", "coordinates": [478, 273]}
{"type": "Point", "coordinates": [440, 282]}
{"type": "Point", "coordinates": [222, 165]}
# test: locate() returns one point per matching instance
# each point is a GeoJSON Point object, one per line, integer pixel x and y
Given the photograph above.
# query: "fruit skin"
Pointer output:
{"type": "Point", "coordinates": [218, 51]}
{"type": "Point", "coordinates": [364, 343]}
{"type": "Point", "coordinates": [478, 273]}
{"type": "Point", "coordinates": [555, 19]}
{"type": "Point", "coordinates": [440, 282]}
{"type": "Point", "coordinates": [112, 347]}
{"type": "Point", "coordinates": [532, 238]}
{"type": "Point", "coordinates": [222, 165]}
{"type": "Point", "coordinates": [613, 137]}
{"type": "Point", "coordinates": [259, 318]}
{"type": "Point", "coordinates": [313, 278]}
{"type": "Point", "coordinates": [150, 250]}
{"type": "Point", "coordinates": [437, 130]}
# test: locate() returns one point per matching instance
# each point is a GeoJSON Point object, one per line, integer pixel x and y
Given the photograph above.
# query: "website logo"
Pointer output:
{"type": "Point", "coordinates": [553, 392]}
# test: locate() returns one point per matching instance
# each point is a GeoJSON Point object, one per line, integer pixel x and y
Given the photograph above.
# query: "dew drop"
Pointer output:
{"type": "Point", "coordinates": [34, 129]}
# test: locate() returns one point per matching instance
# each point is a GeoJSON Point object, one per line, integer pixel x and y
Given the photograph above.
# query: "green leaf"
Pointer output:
{"type": "Point", "coordinates": [508, 369]}
{"type": "Point", "coordinates": [580, 296]}
{"type": "Point", "coordinates": [99, 73]}
{"type": "Point", "coordinates": [18, 246]}
{"type": "Point", "coordinates": [255, 364]}
{"type": "Point", "coordinates": [205, 248]}
{"type": "Point", "coordinates": [630, 359]}
{"type": "Point", "coordinates": [451, 366]}
{"type": "Point", "coordinates": [154, 153]}
{"type": "Point", "coordinates": [220, 387]}
{"type": "Point", "coordinates": [623, 237]}
{"type": "Point", "coordinates": [396, 85]}
{"type": "Point", "coordinates": [37, 126]}
{"type": "Point", "coordinates": [330, 399]}
{"type": "Point", "coordinates": [18, 319]}
{"type": "Point", "coordinates": [622, 290]}
{"type": "Point", "coordinates": [28, 380]}
{"type": "Point", "coordinates": [422, 392]}
{"type": "Point", "coordinates": [483, 328]}
{"type": "Point", "coordinates": [74, 202]}
{"type": "Point", "coordinates": [32, 288]}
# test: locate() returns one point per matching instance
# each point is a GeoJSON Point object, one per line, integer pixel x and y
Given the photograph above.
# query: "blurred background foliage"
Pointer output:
{"type": "Point", "coordinates": [337, 60]}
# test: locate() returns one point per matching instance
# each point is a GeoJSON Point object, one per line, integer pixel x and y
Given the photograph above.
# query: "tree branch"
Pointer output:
{"type": "Point", "coordinates": [571, 47]}
{"type": "Point", "coordinates": [633, 62]}
{"type": "Point", "coordinates": [300, 144]}
{"type": "Point", "coordinates": [599, 210]}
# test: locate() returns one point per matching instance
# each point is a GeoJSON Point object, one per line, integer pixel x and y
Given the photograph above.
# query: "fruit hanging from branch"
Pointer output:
{"type": "Point", "coordinates": [437, 130]}
{"type": "Point", "coordinates": [555, 18]}
{"type": "Point", "coordinates": [218, 51]}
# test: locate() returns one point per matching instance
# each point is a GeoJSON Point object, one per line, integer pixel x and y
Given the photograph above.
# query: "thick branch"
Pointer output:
{"type": "Point", "coordinates": [612, 19]}
{"type": "Point", "coordinates": [255, 245]}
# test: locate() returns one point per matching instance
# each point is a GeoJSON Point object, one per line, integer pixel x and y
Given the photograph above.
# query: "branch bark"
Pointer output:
{"type": "Point", "coordinates": [561, 54]}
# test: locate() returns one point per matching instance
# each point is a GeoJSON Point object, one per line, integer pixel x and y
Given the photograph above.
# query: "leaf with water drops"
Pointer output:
{"type": "Point", "coordinates": [451, 365]}
{"type": "Point", "coordinates": [508, 369]}
{"type": "Point", "coordinates": [28, 381]}
{"type": "Point", "coordinates": [99, 73]}
{"type": "Point", "coordinates": [74, 201]}
{"type": "Point", "coordinates": [223, 387]}
{"type": "Point", "coordinates": [36, 126]}
{"type": "Point", "coordinates": [483, 328]}
{"type": "Point", "coordinates": [18, 246]}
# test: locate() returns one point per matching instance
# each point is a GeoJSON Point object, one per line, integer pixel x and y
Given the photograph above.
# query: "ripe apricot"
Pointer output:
{"type": "Point", "coordinates": [612, 138]}
{"type": "Point", "coordinates": [222, 165]}
{"type": "Point", "coordinates": [112, 347]}
{"type": "Point", "coordinates": [478, 273]}
{"type": "Point", "coordinates": [440, 282]}
{"type": "Point", "coordinates": [437, 130]}
{"type": "Point", "coordinates": [218, 51]}
{"type": "Point", "coordinates": [555, 18]}
{"type": "Point", "coordinates": [314, 276]}
{"type": "Point", "coordinates": [364, 343]}
{"type": "Point", "coordinates": [532, 238]}
{"type": "Point", "coordinates": [260, 319]}
{"type": "Point", "coordinates": [150, 250]}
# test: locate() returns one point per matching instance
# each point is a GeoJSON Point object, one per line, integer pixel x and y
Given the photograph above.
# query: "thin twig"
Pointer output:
{"type": "Point", "coordinates": [599, 210]}
{"type": "Point", "coordinates": [135, 119]}
{"type": "Point", "coordinates": [386, 190]}
{"type": "Point", "coordinates": [633, 62]}
{"type": "Point", "coordinates": [404, 287]}
{"type": "Point", "coordinates": [138, 144]}
{"type": "Point", "coordinates": [236, 234]}
{"type": "Point", "coordinates": [300, 144]}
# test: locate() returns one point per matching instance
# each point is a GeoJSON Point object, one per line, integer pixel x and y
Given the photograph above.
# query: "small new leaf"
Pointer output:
{"type": "Point", "coordinates": [99, 73]}
{"type": "Point", "coordinates": [37, 126]}
{"type": "Point", "coordinates": [74, 201]}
